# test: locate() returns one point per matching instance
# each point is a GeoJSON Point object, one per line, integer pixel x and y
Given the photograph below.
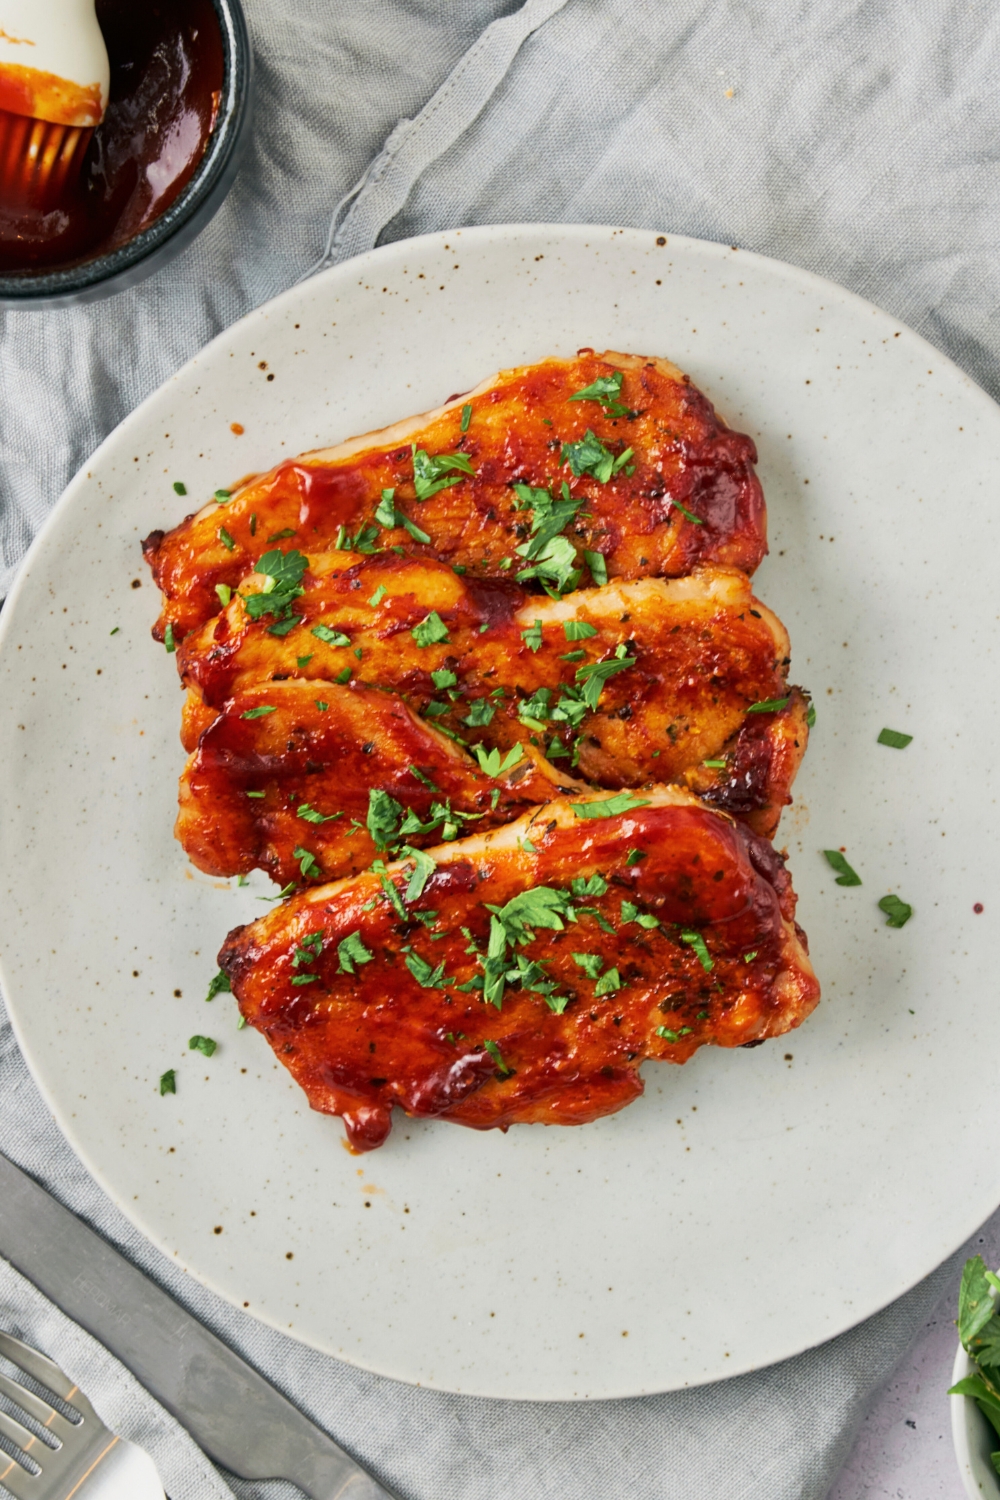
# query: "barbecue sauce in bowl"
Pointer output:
{"type": "Point", "coordinates": [167, 68]}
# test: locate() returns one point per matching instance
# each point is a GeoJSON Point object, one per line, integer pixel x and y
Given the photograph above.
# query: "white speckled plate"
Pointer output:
{"type": "Point", "coordinates": [752, 1203]}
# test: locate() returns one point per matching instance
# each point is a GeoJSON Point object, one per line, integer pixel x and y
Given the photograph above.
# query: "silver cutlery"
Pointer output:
{"type": "Point", "coordinates": [78, 1457]}
{"type": "Point", "coordinates": [232, 1413]}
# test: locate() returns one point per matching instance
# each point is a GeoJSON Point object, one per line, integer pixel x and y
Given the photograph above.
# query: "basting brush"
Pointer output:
{"type": "Point", "coordinates": [54, 80]}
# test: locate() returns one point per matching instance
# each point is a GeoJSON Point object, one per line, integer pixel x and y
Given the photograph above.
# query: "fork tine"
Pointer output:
{"type": "Point", "coordinates": [30, 1362]}
{"type": "Point", "coordinates": [43, 1413]}
{"type": "Point", "coordinates": [22, 1485]}
{"type": "Point", "coordinates": [27, 1441]}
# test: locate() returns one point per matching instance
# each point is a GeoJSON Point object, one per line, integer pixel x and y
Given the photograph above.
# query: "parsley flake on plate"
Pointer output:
{"type": "Point", "coordinates": [202, 1044]}
{"type": "Point", "coordinates": [170, 645]}
{"type": "Point", "coordinates": [897, 912]}
{"type": "Point", "coordinates": [168, 1082]}
{"type": "Point", "coordinates": [179, 488]}
{"type": "Point", "coordinates": [845, 876]}
{"type": "Point", "coordinates": [894, 739]}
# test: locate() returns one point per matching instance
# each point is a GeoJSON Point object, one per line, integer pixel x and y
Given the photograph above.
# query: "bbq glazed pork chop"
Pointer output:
{"type": "Point", "coordinates": [650, 480]}
{"type": "Point", "coordinates": [631, 682]}
{"type": "Point", "coordinates": [312, 782]}
{"type": "Point", "coordinates": [524, 974]}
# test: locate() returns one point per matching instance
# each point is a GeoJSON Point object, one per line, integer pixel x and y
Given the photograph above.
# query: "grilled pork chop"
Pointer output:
{"type": "Point", "coordinates": [632, 682]}
{"type": "Point", "coordinates": [523, 975]}
{"type": "Point", "coordinates": [311, 782]}
{"type": "Point", "coordinates": [650, 479]}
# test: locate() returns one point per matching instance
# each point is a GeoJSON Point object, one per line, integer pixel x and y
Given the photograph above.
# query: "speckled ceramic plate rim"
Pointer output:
{"type": "Point", "coordinates": [800, 1331]}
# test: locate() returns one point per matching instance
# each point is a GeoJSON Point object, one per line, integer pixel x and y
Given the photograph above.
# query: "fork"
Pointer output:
{"type": "Point", "coordinates": [87, 1457]}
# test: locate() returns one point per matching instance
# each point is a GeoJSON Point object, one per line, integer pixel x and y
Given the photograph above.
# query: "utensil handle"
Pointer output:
{"type": "Point", "coordinates": [231, 1411]}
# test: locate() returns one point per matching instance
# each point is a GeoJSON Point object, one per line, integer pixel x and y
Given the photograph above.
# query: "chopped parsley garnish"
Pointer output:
{"type": "Point", "coordinates": [532, 637]}
{"type": "Point", "coordinates": [490, 762]}
{"type": "Point", "coordinates": [179, 488]}
{"type": "Point", "coordinates": [378, 595]}
{"type": "Point", "coordinates": [431, 474]}
{"type": "Point", "coordinates": [578, 630]}
{"type": "Point", "coordinates": [299, 979]}
{"type": "Point", "coordinates": [609, 981]}
{"type": "Point", "coordinates": [307, 862]}
{"type": "Point", "coordinates": [202, 1044]}
{"type": "Point", "coordinates": [350, 952]}
{"type": "Point", "coordinates": [667, 1034]}
{"type": "Point", "coordinates": [589, 456]}
{"type": "Point", "coordinates": [219, 984]}
{"type": "Point", "coordinates": [444, 678]}
{"type": "Point", "coordinates": [605, 389]}
{"type": "Point", "coordinates": [598, 567]}
{"type": "Point", "coordinates": [343, 676]}
{"type": "Point", "coordinates": [635, 856]}
{"type": "Point", "coordinates": [115, 631]}
{"type": "Point", "coordinates": [466, 416]}
{"type": "Point", "coordinates": [303, 661]}
{"type": "Point", "coordinates": [389, 888]}
{"type": "Point", "coordinates": [593, 885]}
{"type": "Point", "coordinates": [223, 495]}
{"type": "Point", "coordinates": [894, 739]}
{"type": "Point", "coordinates": [256, 794]}
{"type": "Point", "coordinates": [845, 875]}
{"type": "Point", "coordinates": [696, 942]}
{"type": "Point", "coordinates": [363, 542]}
{"type": "Point", "coordinates": [633, 913]}
{"type": "Point", "coordinates": [431, 631]}
{"type": "Point", "coordinates": [552, 556]}
{"type": "Point", "coordinates": [715, 765]}
{"type": "Point", "coordinates": [602, 922]}
{"type": "Point", "coordinates": [259, 711]}
{"type": "Point", "coordinates": [424, 868]}
{"type": "Point", "coordinates": [810, 716]}
{"type": "Point", "coordinates": [590, 963]}
{"type": "Point", "coordinates": [321, 705]}
{"type": "Point", "coordinates": [596, 673]}
{"type": "Point", "coordinates": [578, 655]}
{"type": "Point", "coordinates": [481, 712]}
{"type": "Point", "coordinates": [427, 977]}
{"type": "Point", "coordinates": [685, 512]}
{"type": "Point", "coordinates": [253, 523]}
{"type": "Point", "coordinates": [285, 891]}
{"type": "Point", "coordinates": [283, 627]}
{"type": "Point", "coordinates": [329, 637]}
{"type": "Point", "coordinates": [384, 813]}
{"type": "Point", "coordinates": [389, 516]}
{"type": "Point", "coordinates": [312, 816]}
{"type": "Point", "coordinates": [168, 1080]}
{"type": "Point", "coordinates": [170, 645]}
{"type": "Point", "coordinates": [768, 706]}
{"type": "Point", "coordinates": [610, 807]}
{"type": "Point", "coordinates": [897, 912]}
{"type": "Point", "coordinates": [748, 958]}
{"type": "Point", "coordinates": [282, 573]}
{"type": "Point", "coordinates": [309, 950]}
{"type": "Point", "coordinates": [225, 593]}
{"type": "Point", "coordinates": [496, 1055]}
{"type": "Point", "coordinates": [280, 536]}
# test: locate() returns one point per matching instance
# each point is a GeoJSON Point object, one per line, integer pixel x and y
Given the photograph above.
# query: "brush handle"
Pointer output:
{"type": "Point", "coordinates": [53, 61]}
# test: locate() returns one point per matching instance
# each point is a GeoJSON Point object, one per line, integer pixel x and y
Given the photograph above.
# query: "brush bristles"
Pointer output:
{"type": "Point", "coordinates": [39, 161]}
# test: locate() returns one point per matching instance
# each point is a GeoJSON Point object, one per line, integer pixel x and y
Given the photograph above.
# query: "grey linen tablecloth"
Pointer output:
{"type": "Point", "coordinates": [860, 141]}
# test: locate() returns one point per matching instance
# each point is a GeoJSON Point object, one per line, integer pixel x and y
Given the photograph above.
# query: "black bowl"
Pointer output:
{"type": "Point", "coordinates": [186, 216]}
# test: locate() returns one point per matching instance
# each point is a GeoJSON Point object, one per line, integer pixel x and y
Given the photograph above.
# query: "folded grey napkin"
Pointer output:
{"type": "Point", "coordinates": [858, 141]}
